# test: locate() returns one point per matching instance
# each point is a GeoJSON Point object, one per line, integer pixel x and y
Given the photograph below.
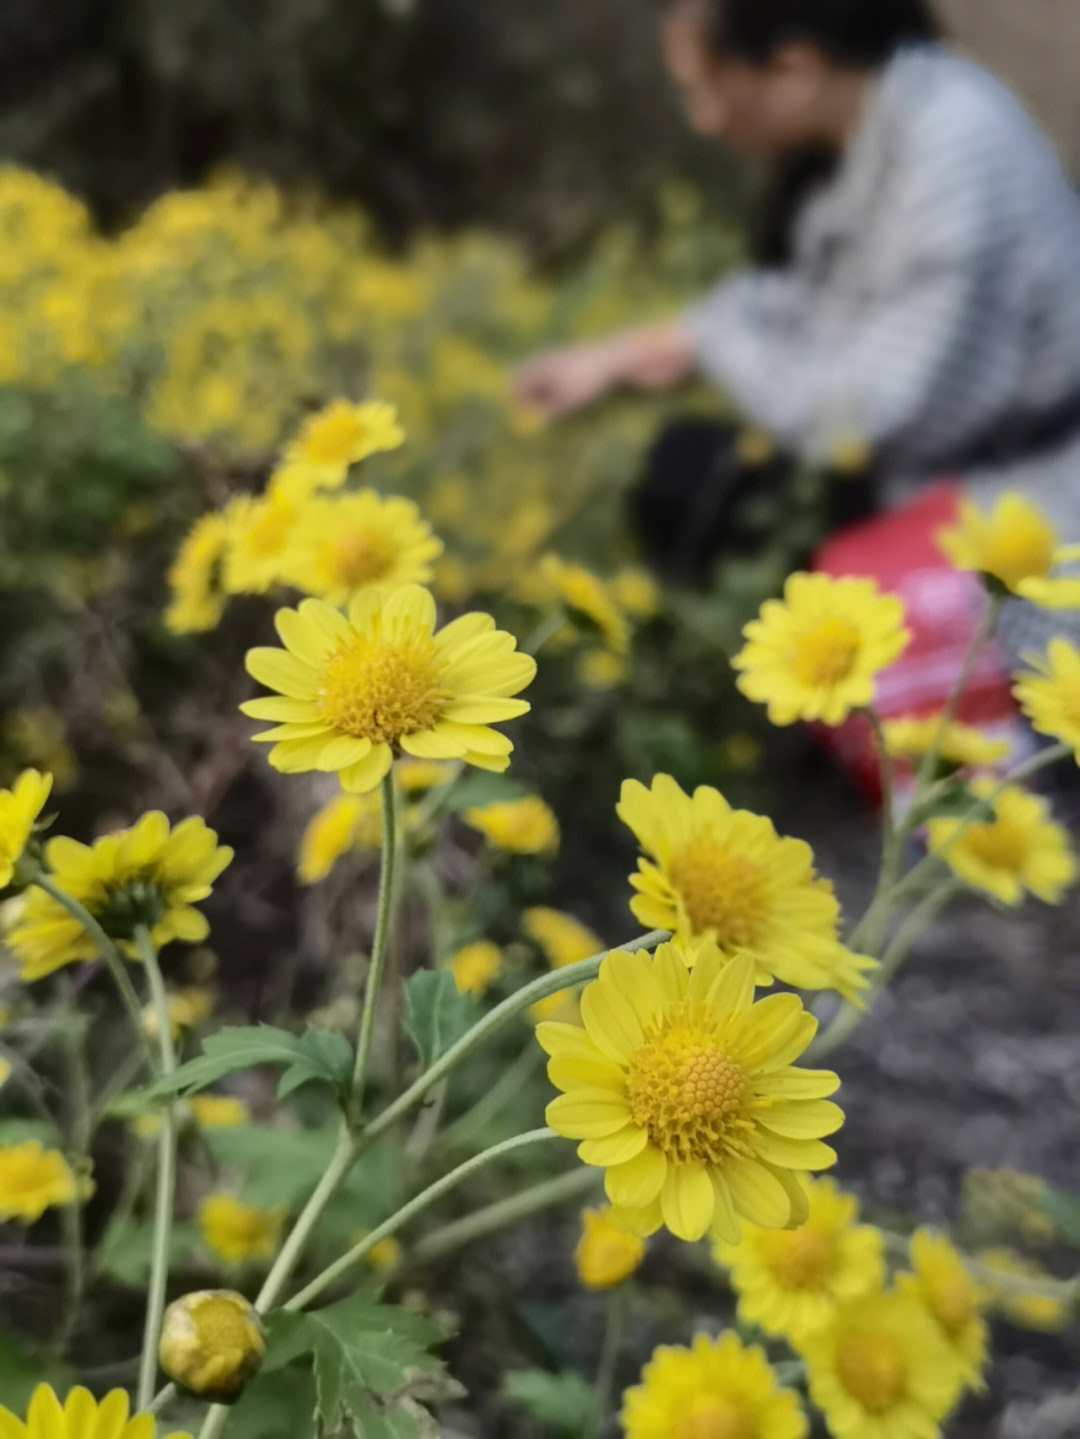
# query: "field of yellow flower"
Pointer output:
{"type": "Point", "coordinates": [434, 999]}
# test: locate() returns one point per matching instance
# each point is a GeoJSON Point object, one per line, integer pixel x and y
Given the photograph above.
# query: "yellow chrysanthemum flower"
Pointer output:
{"type": "Point", "coordinates": [941, 1282]}
{"type": "Point", "coordinates": [342, 433]}
{"type": "Point", "coordinates": [724, 874]}
{"type": "Point", "coordinates": [195, 575]}
{"type": "Point", "coordinates": [238, 1232]}
{"type": "Point", "coordinates": [1015, 545]}
{"type": "Point", "coordinates": [80, 1417]}
{"type": "Point", "coordinates": [1020, 849]}
{"type": "Point", "coordinates": [716, 1387]}
{"type": "Point", "coordinates": [911, 736]}
{"type": "Point", "coordinates": [878, 1370]}
{"type": "Point", "coordinates": [1050, 697]}
{"type": "Point", "coordinates": [475, 965]}
{"type": "Point", "coordinates": [150, 874]}
{"type": "Point", "coordinates": [19, 809]}
{"type": "Point", "coordinates": [416, 775]}
{"type": "Point", "coordinates": [187, 1007]}
{"type": "Point", "coordinates": [298, 480]}
{"type": "Point", "coordinates": [520, 826]}
{"type": "Point", "coordinates": [215, 1111]}
{"type": "Point", "coordinates": [211, 1342]}
{"type": "Point", "coordinates": [356, 690]}
{"type": "Point", "coordinates": [637, 591]}
{"type": "Point", "coordinates": [813, 655]}
{"type": "Point", "coordinates": [586, 595]}
{"type": "Point", "coordinates": [33, 1179]}
{"type": "Point", "coordinates": [605, 1255]}
{"type": "Point", "coordinates": [1005, 1276]}
{"type": "Point", "coordinates": [682, 1088]}
{"type": "Point", "coordinates": [344, 543]}
{"type": "Point", "coordinates": [345, 823]}
{"type": "Point", "coordinates": [563, 940]}
{"type": "Point", "coordinates": [789, 1281]}
{"type": "Point", "coordinates": [260, 528]}
{"type": "Point", "coordinates": [601, 669]}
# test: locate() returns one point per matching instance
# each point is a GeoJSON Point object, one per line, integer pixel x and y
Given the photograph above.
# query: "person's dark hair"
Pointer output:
{"type": "Point", "coordinates": [863, 33]}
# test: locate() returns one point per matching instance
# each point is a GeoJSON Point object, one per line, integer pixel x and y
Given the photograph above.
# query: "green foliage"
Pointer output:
{"type": "Point", "coordinates": [366, 1356]}
{"type": "Point", "coordinates": [277, 1165]}
{"type": "Point", "coordinates": [125, 1248]}
{"type": "Point", "coordinates": [275, 1403]}
{"type": "Point", "coordinates": [437, 1014]}
{"type": "Point", "coordinates": [562, 1403]}
{"type": "Point", "coordinates": [317, 1056]}
{"type": "Point", "coordinates": [476, 789]}
{"type": "Point", "coordinates": [1063, 1208]}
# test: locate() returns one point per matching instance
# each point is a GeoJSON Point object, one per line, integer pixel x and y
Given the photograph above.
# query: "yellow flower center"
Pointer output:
{"type": "Point", "coordinates": [872, 1369]}
{"type": "Point", "coordinates": [952, 1301]}
{"type": "Point", "coordinates": [687, 1094]}
{"type": "Point", "coordinates": [998, 845]}
{"type": "Point", "coordinates": [357, 558]}
{"type": "Point", "coordinates": [721, 890]}
{"type": "Point", "coordinates": [825, 654]}
{"type": "Point", "coordinates": [710, 1417]}
{"type": "Point", "coordinates": [380, 691]}
{"type": "Point", "coordinates": [799, 1259]}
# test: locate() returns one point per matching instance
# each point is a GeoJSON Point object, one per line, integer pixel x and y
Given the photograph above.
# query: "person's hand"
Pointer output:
{"type": "Point", "coordinates": [560, 381]}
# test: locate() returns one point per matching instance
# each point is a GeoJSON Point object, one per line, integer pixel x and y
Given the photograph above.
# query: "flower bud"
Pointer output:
{"type": "Point", "coordinates": [211, 1343]}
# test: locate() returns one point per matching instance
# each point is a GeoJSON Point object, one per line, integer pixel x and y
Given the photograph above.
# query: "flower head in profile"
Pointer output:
{"type": "Point", "coordinates": [79, 1417]}
{"type": "Point", "coordinates": [151, 874]}
{"type": "Point", "coordinates": [33, 1179]}
{"type": "Point", "coordinates": [211, 1342]}
{"type": "Point", "coordinates": [957, 745]}
{"type": "Point", "coordinates": [789, 1281]}
{"type": "Point", "coordinates": [714, 1387]}
{"type": "Point", "coordinates": [814, 654]}
{"type": "Point", "coordinates": [1050, 694]}
{"type": "Point", "coordinates": [475, 965]}
{"type": "Point", "coordinates": [1015, 548]}
{"type": "Point", "coordinates": [215, 1111]}
{"type": "Point", "coordinates": [682, 1087]}
{"type": "Point", "coordinates": [519, 826]}
{"type": "Point", "coordinates": [238, 1232]}
{"type": "Point", "coordinates": [345, 823]}
{"type": "Point", "coordinates": [20, 807]}
{"type": "Point", "coordinates": [260, 528]}
{"type": "Point", "coordinates": [342, 433]}
{"type": "Point", "coordinates": [354, 691]}
{"type": "Point", "coordinates": [713, 872]}
{"type": "Point", "coordinates": [341, 544]}
{"type": "Point", "coordinates": [1025, 1294]}
{"type": "Point", "coordinates": [195, 575]}
{"type": "Point", "coordinates": [1018, 849]}
{"type": "Point", "coordinates": [942, 1283]}
{"type": "Point", "coordinates": [605, 1254]}
{"type": "Point", "coordinates": [587, 597]}
{"type": "Point", "coordinates": [878, 1371]}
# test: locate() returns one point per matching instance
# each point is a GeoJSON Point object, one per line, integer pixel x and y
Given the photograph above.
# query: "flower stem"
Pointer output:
{"type": "Point", "coordinates": [380, 943]}
{"type": "Point", "coordinates": [166, 1176]}
{"type": "Point", "coordinates": [565, 978]}
{"type": "Point", "coordinates": [614, 1327]}
{"type": "Point", "coordinates": [504, 1211]}
{"type": "Point", "coordinates": [80, 1130]}
{"type": "Point", "coordinates": [415, 1206]}
{"type": "Point", "coordinates": [110, 954]}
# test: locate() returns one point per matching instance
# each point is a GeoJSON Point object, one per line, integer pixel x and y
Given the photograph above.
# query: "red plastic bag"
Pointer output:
{"type": "Point", "coordinates": [943, 606]}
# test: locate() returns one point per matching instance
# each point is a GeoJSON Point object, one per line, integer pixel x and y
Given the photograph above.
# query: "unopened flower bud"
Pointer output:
{"type": "Point", "coordinates": [211, 1343]}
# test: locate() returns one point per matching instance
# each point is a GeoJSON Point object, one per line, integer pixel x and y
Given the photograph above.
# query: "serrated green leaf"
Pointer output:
{"type": "Point", "coordinates": [275, 1403]}
{"type": "Point", "coordinates": [559, 1401]}
{"type": "Point", "coordinates": [362, 1351]}
{"type": "Point", "coordinates": [437, 1014]}
{"type": "Point", "coordinates": [318, 1056]}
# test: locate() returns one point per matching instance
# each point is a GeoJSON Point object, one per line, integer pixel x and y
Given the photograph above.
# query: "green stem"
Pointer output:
{"type": "Point", "coordinates": [80, 1133]}
{"type": "Point", "coordinates": [110, 954]}
{"type": "Point", "coordinates": [508, 1086]}
{"type": "Point", "coordinates": [986, 627]}
{"type": "Point", "coordinates": [565, 978]}
{"type": "Point", "coordinates": [614, 1327]}
{"type": "Point", "coordinates": [379, 945]}
{"type": "Point", "coordinates": [166, 1177]}
{"type": "Point", "coordinates": [415, 1206]}
{"type": "Point", "coordinates": [447, 1238]}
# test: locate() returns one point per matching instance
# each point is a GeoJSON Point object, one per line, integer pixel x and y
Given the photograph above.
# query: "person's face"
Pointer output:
{"type": "Point", "coordinates": [758, 110]}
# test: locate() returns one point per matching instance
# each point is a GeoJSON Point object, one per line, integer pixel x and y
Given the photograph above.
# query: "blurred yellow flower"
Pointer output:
{"type": "Point", "coordinates": [347, 822]}
{"type": "Point", "coordinates": [636, 591]}
{"type": "Point", "coordinates": [187, 1007]}
{"type": "Point", "coordinates": [1050, 696]}
{"type": "Point", "coordinates": [342, 433]}
{"type": "Point", "coordinates": [715, 1387]}
{"type": "Point", "coordinates": [341, 544]}
{"type": "Point", "coordinates": [355, 691]}
{"type": "Point", "coordinates": [1014, 544]}
{"type": "Point", "coordinates": [814, 654]}
{"type": "Point", "coordinates": [213, 1111]}
{"type": "Point", "coordinates": [941, 1281]}
{"type": "Point", "coordinates": [259, 531]}
{"type": "Point", "coordinates": [911, 736]}
{"type": "Point", "coordinates": [1020, 1290]}
{"type": "Point", "coordinates": [563, 940]}
{"type": "Point", "coordinates": [1020, 849]}
{"type": "Point", "coordinates": [33, 1179]}
{"type": "Point", "coordinates": [586, 596]}
{"type": "Point", "coordinates": [475, 965]}
{"type": "Point", "coordinates": [601, 669]}
{"type": "Point", "coordinates": [20, 807]}
{"type": "Point", "coordinates": [238, 1232]}
{"type": "Point", "coordinates": [605, 1254]}
{"type": "Point", "coordinates": [520, 826]}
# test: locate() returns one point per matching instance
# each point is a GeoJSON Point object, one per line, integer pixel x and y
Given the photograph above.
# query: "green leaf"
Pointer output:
{"type": "Point", "coordinates": [22, 1370]}
{"type": "Point", "coordinates": [1064, 1209]}
{"type": "Point", "coordinates": [437, 1014]}
{"type": "Point", "coordinates": [363, 1351]}
{"type": "Point", "coordinates": [318, 1056]}
{"type": "Point", "coordinates": [476, 790]}
{"type": "Point", "coordinates": [278, 1165]}
{"type": "Point", "coordinates": [563, 1402]}
{"type": "Point", "coordinates": [274, 1403]}
{"type": "Point", "coordinates": [126, 1246]}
